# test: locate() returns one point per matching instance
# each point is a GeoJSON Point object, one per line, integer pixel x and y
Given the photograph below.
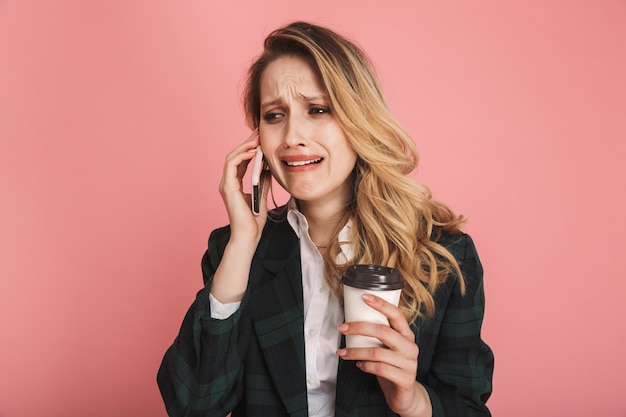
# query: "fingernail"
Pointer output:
{"type": "Point", "coordinates": [342, 327]}
{"type": "Point", "coordinates": [342, 352]}
{"type": "Point", "coordinates": [368, 297]}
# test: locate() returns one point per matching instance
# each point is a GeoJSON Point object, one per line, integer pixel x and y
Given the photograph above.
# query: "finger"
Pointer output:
{"type": "Point", "coordinates": [396, 317]}
{"type": "Point", "coordinates": [244, 162]}
{"type": "Point", "coordinates": [390, 338]}
{"type": "Point", "coordinates": [249, 144]}
{"type": "Point", "coordinates": [381, 332]}
{"type": "Point", "coordinates": [237, 162]}
{"type": "Point", "coordinates": [393, 358]}
{"type": "Point", "coordinates": [396, 375]}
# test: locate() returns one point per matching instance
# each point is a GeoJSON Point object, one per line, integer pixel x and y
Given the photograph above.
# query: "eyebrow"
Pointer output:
{"type": "Point", "coordinates": [299, 95]}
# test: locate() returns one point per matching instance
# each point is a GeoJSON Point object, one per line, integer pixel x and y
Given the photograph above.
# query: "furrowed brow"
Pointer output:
{"type": "Point", "coordinates": [271, 102]}
{"type": "Point", "coordinates": [321, 97]}
{"type": "Point", "coordinates": [304, 97]}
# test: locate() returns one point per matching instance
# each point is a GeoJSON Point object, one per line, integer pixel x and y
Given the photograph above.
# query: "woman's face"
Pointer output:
{"type": "Point", "coordinates": [305, 147]}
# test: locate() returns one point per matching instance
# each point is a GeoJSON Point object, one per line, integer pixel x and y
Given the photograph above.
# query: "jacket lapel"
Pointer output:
{"type": "Point", "coordinates": [278, 314]}
{"type": "Point", "coordinates": [350, 382]}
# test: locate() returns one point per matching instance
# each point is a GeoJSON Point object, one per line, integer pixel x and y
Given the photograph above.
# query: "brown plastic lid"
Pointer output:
{"type": "Point", "coordinates": [372, 277]}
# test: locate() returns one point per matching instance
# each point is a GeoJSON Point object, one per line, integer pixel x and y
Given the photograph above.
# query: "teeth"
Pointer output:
{"type": "Point", "coordinates": [300, 163]}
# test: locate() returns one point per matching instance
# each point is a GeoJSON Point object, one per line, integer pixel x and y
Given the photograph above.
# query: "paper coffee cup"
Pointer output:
{"type": "Point", "coordinates": [381, 281]}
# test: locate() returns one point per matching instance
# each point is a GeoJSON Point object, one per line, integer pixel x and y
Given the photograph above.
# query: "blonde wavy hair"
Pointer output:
{"type": "Point", "coordinates": [395, 221]}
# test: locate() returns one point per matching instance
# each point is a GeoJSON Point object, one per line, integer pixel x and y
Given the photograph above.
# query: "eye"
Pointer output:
{"type": "Point", "coordinates": [272, 117]}
{"type": "Point", "coordinates": [319, 110]}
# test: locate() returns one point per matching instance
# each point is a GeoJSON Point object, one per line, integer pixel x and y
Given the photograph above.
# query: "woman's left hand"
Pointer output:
{"type": "Point", "coordinates": [394, 364]}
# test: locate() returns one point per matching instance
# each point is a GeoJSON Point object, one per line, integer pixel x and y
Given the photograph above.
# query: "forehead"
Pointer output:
{"type": "Point", "coordinates": [290, 76]}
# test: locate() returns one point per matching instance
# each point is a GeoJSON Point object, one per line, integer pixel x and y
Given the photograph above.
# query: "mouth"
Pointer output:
{"type": "Point", "coordinates": [301, 163]}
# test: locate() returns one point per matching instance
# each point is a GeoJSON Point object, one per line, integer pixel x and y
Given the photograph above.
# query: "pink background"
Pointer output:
{"type": "Point", "coordinates": [115, 117]}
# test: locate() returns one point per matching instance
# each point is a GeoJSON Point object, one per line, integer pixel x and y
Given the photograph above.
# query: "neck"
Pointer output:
{"type": "Point", "coordinates": [323, 221]}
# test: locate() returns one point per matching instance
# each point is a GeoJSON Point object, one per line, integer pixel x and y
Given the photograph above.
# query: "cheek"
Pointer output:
{"type": "Point", "coordinates": [351, 159]}
{"type": "Point", "coordinates": [269, 137]}
{"type": "Point", "coordinates": [265, 142]}
{"type": "Point", "coordinates": [262, 134]}
{"type": "Point", "coordinates": [272, 166]}
{"type": "Point", "coordinates": [346, 149]}
{"type": "Point", "coordinates": [271, 142]}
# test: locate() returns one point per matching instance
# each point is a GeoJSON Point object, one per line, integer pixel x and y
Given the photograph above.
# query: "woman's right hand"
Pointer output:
{"type": "Point", "coordinates": [231, 276]}
{"type": "Point", "coordinates": [246, 228]}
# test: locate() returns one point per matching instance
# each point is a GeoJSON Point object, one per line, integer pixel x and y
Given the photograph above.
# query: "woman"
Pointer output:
{"type": "Point", "coordinates": [264, 336]}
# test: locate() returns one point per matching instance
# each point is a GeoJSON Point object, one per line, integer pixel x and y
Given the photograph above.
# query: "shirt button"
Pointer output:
{"type": "Point", "coordinates": [309, 381]}
{"type": "Point", "coordinates": [312, 332]}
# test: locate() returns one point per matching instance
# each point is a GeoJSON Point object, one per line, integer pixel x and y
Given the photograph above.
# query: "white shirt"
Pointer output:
{"type": "Point", "coordinates": [322, 313]}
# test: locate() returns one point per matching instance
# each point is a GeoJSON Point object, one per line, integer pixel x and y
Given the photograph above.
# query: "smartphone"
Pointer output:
{"type": "Point", "coordinates": [257, 166]}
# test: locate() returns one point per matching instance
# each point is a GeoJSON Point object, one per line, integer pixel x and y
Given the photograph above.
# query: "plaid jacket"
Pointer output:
{"type": "Point", "coordinates": [253, 362]}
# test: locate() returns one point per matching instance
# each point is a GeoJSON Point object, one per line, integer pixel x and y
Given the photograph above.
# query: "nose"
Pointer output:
{"type": "Point", "coordinates": [295, 132]}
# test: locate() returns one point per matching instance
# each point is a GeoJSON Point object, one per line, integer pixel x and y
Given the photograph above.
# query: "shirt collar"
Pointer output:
{"type": "Point", "coordinates": [300, 226]}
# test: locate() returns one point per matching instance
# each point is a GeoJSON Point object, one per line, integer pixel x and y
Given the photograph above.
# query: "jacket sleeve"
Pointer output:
{"type": "Point", "coordinates": [461, 368]}
{"type": "Point", "coordinates": [201, 372]}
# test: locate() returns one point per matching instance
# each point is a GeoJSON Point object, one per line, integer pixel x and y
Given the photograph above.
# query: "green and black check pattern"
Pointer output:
{"type": "Point", "coordinates": [253, 362]}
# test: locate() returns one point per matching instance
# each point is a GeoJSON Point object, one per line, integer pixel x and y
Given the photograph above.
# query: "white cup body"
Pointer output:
{"type": "Point", "coordinates": [355, 309]}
